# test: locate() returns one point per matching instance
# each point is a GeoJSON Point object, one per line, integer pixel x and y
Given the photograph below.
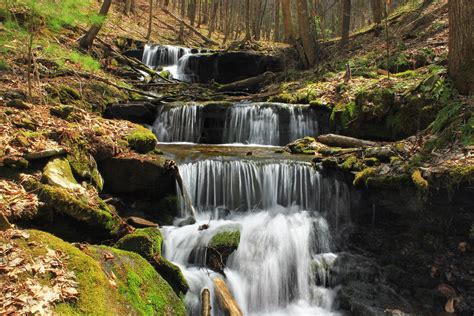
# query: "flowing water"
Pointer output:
{"type": "Point", "coordinates": [245, 123]}
{"type": "Point", "coordinates": [168, 58]}
{"type": "Point", "coordinates": [282, 209]}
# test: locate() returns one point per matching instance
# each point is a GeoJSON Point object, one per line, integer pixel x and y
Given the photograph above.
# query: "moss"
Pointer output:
{"type": "Point", "coordinates": [84, 166]}
{"type": "Point", "coordinates": [389, 181]}
{"type": "Point", "coordinates": [351, 163]}
{"type": "Point", "coordinates": [58, 173]}
{"type": "Point", "coordinates": [225, 239]}
{"type": "Point", "coordinates": [96, 296]}
{"type": "Point", "coordinates": [459, 175]}
{"type": "Point", "coordinates": [307, 145]}
{"type": "Point", "coordinates": [371, 162]}
{"type": "Point", "coordinates": [142, 140]}
{"type": "Point", "coordinates": [68, 94]}
{"type": "Point", "coordinates": [362, 176]}
{"type": "Point", "coordinates": [94, 213]}
{"type": "Point", "coordinates": [146, 242]}
{"type": "Point", "coordinates": [62, 111]}
{"type": "Point", "coordinates": [419, 181]}
{"type": "Point", "coordinates": [165, 74]}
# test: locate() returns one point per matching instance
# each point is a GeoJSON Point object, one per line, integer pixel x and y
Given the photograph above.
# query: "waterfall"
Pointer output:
{"type": "Point", "coordinates": [168, 58]}
{"type": "Point", "coordinates": [245, 123]}
{"type": "Point", "coordinates": [255, 124]}
{"type": "Point", "coordinates": [283, 210]}
{"type": "Point", "coordinates": [178, 123]}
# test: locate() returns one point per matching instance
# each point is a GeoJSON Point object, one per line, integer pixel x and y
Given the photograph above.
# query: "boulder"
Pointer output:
{"type": "Point", "coordinates": [307, 145]}
{"type": "Point", "coordinates": [142, 140]}
{"type": "Point", "coordinates": [58, 173]}
{"type": "Point", "coordinates": [220, 247]}
{"type": "Point", "coordinates": [147, 243]}
{"type": "Point", "coordinates": [138, 222]}
{"type": "Point", "coordinates": [137, 112]}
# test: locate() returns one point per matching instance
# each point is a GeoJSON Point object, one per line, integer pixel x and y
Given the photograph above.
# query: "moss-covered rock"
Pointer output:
{"type": "Point", "coordinates": [142, 140]}
{"type": "Point", "coordinates": [220, 247]}
{"type": "Point", "coordinates": [109, 281]}
{"type": "Point", "coordinates": [84, 167]}
{"type": "Point", "coordinates": [362, 176]}
{"type": "Point", "coordinates": [419, 181]}
{"type": "Point", "coordinates": [229, 239]}
{"type": "Point", "coordinates": [87, 209]}
{"type": "Point", "coordinates": [147, 243]}
{"type": "Point", "coordinates": [307, 145]}
{"type": "Point", "coordinates": [351, 163]}
{"type": "Point", "coordinates": [58, 173]}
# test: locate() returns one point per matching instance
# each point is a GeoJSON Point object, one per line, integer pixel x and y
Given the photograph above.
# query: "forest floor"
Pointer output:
{"type": "Point", "coordinates": [409, 108]}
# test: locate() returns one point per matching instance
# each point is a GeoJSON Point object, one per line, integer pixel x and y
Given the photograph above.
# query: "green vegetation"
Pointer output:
{"type": "Point", "coordinates": [419, 181]}
{"type": "Point", "coordinates": [142, 140]}
{"type": "Point", "coordinates": [362, 176]}
{"type": "Point", "coordinates": [146, 242]}
{"type": "Point", "coordinates": [225, 239]}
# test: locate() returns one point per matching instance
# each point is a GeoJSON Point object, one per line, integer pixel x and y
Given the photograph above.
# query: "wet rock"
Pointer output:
{"type": "Point", "coordinates": [142, 140]}
{"type": "Point", "coordinates": [368, 299]}
{"type": "Point", "coordinates": [307, 145]}
{"type": "Point", "coordinates": [187, 221]}
{"type": "Point", "coordinates": [221, 246]}
{"type": "Point", "coordinates": [139, 112]}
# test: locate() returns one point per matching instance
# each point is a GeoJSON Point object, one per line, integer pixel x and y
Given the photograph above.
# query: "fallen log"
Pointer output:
{"type": "Point", "coordinates": [199, 34]}
{"type": "Point", "coordinates": [205, 303]}
{"type": "Point", "coordinates": [225, 299]}
{"type": "Point", "coordinates": [44, 154]}
{"type": "Point", "coordinates": [344, 141]}
{"type": "Point", "coordinates": [247, 83]}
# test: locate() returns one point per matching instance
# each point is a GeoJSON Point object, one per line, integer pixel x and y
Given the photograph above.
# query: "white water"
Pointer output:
{"type": "Point", "coordinates": [181, 123]}
{"type": "Point", "coordinates": [277, 268]}
{"type": "Point", "coordinates": [171, 58]}
{"type": "Point", "coordinates": [245, 123]}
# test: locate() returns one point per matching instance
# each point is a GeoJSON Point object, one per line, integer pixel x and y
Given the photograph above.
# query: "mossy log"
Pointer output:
{"type": "Point", "coordinates": [247, 84]}
{"type": "Point", "coordinates": [344, 141]}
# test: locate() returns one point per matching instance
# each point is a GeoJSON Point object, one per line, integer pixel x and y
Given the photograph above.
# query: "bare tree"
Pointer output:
{"type": "Point", "coordinates": [346, 21]}
{"type": "Point", "coordinates": [309, 44]}
{"type": "Point", "coordinates": [88, 39]}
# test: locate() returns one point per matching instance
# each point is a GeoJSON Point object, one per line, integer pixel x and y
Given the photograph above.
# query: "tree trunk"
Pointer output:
{"type": "Point", "coordinates": [309, 45]}
{"type": "Point", "coordinates": [150, 20]}
{"type": "Point", "coordinates": [461, 45]}
{"type": "Point", "coordinates": [287, 21]}
{"type": "Point", "coordinates": [88, 39]}
{"type": "Point", "coordinates": [181, 26]}
{"type": "Point", "coordinates": [248, 35]}
{"type": "Point", "coordinates": [346, 21]}
{"type": "Point", "coordinates": [276, 31]}
{"type": "Point", "coordinates": [205, 303]}
{"type": "Point", "coordinates": [377, 10]}
{"type": "Point", "coordinates": [225, 299]}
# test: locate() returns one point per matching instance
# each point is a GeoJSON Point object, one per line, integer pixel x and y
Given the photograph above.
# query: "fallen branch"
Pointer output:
{"type": "Point", "coordinates": [225, 299]}
{"type": "Point", "coordinates": [247, 83]}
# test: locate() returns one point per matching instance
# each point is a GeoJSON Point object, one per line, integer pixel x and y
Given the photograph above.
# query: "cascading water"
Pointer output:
{"type": "Point", "coordinates": [244, 123]}
{"type": "Point", "coordinates": [280, 208]}
{"type": "Point", "coordinates": [167, 57]}
{"type": "Point", "coordinates": [178, 123]}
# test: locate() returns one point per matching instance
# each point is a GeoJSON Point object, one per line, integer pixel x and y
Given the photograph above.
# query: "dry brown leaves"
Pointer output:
{"type": "Point", "coordinates": [32, 284]}
{"type": "Point", "coordinates": [15, 202]}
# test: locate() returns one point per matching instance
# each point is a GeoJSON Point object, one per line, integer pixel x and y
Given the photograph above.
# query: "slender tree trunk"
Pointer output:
{"type": "Point", "coordinates": [150, 20]}
{"type": "Point", "coordinates": [213, 17]}
{"type": "Point", "coordinates": [287, 21]}
{"type": "Point", "coordinates": [276, 31]}
{"type": "Point", "coordinates": [309, 45]}
{"type": "Point", "coordinates": [461, 45]}
{"type": "Point", "coordinates": [88, 39]}
{"type": "Point", "coordinates": [248, 35]}
{"type": "Point", "coordinates": [30, 64]}
{"type": "Point", "coordinates": [377, 10]}
{"type": "Point", "coordinates": [346, 21]}
{"type": "Point", "coordinates": [183, 16]}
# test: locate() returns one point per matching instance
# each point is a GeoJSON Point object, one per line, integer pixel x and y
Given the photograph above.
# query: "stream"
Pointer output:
{"type": "Point", "coordinates": [285, 210]}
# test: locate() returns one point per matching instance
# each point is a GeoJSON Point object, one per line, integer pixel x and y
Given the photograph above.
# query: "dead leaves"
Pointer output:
{"type": "Point", "coordinates": [32, 284]}
{"type": "Point", "coordinates": [15, 202]}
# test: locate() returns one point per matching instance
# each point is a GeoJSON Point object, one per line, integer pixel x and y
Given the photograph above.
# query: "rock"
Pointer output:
{"type": "Point", "coordinates": [381, 153]}
{"type": "Point", "coordinates": [187, 221]}
{"type": "Point", "coordinates": [124, 285]}
{"type": "Point", "coordinates": [138, 222]}
{"type": "Point", "coordinates": [349, 267]}
{"type": "Point", "coordinates": [58, 173]}
{"type": "Point", "coordinates": [18, 104]}
{"type": "Point", "coordinates": [138, 178]}
{"type": "Point", "coordinates": [62, 111]}
{"type": "Point", "coordinates": [137, 112]}
{"type": "Point", "coordinates": [88, 210]}
{"type": "Point", "coordinates": [307, 145]}
{"type": "Point", "coordinates": [368, 299]}
{"type": "Point", "coordinates": [84, 167]}
{"type": "Point", "coordinates": [15, 162]}
{"type": "Point", "coordinates": [142, 140]}
{"type": "Point", "coordinates": [147, 243]}
{"type": "Point", "coordinates": [329, 162]}
{"type": "Point", "coordinates": [221, 246]}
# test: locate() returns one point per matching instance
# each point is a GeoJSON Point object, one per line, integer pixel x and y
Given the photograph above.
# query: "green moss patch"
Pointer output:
{"type": "Point", "coordinates": [362, 176]}
{"type": "Point", "coordinates": [225, 239]}
{"type": "Point", "coordinates": [142, 140]}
